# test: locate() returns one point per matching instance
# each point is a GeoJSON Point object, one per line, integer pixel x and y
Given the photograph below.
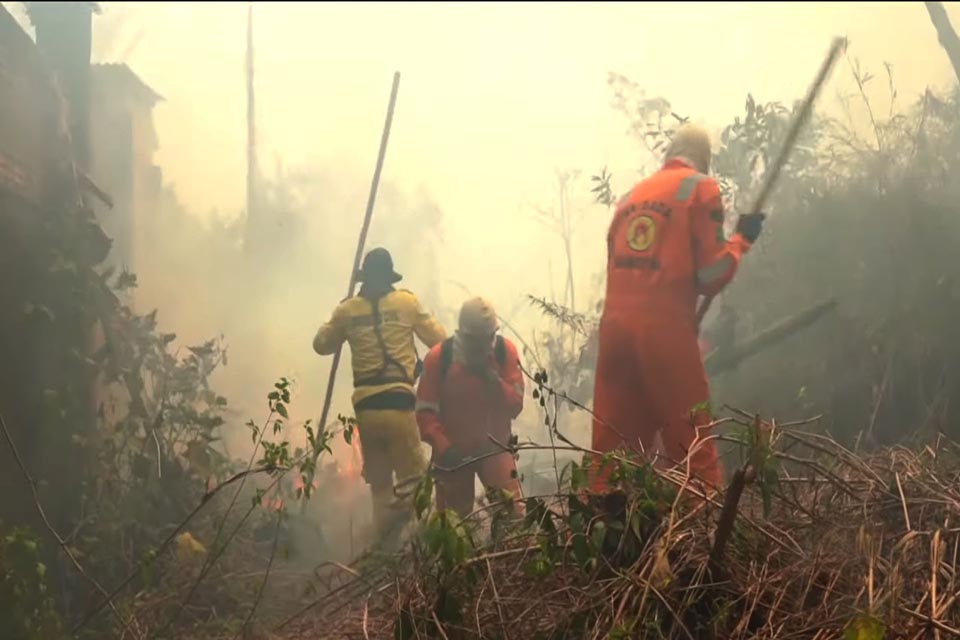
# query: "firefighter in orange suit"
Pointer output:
{"type": "Point", "coordinates": [471, 391]}
{"type": "Point", "coordinates": [666, 246]}
{"type": "Point", "coordinates": [380, 324]}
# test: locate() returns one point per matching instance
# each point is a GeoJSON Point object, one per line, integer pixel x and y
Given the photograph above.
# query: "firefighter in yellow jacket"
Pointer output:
{"type": "Point", "coordinates": [379, 324]}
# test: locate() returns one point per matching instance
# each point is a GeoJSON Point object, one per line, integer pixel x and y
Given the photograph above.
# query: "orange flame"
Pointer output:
{"type": "Point", "coordinates": [353, 467]}
{"type": "Point", "coordinates": [298, 484]}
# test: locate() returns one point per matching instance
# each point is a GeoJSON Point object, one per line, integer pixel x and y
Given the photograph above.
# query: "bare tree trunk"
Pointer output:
{"type": "Point", "coordinates": [945, 33]}
{"type": "Point", "coordinates": [252, 221]}
{"type": "Point", "coordinates": [567, 233]}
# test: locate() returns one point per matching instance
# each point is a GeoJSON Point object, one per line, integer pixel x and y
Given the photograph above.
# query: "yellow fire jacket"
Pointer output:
{"type": "Point", "coordinates": [380, 334]}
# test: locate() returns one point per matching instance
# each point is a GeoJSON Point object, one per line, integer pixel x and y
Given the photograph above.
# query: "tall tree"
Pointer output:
{"type": "Point", "coordinates": [945, 33]}
{"type": "Point", "coordinates": [252, 203]}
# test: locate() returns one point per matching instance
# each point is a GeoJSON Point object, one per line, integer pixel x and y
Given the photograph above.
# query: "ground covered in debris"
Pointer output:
{"type": "Point", "coordinates": [858, 546]}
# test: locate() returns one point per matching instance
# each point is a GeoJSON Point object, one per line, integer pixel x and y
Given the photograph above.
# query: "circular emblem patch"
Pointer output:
{"type": "Point", "coordinates": [641, 233]}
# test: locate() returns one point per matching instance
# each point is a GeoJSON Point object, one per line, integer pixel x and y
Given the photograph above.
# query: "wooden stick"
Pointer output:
{"type": "Point", "coordinates": [727, 517]}
{"type": "Point", "coordinates": [360, 245]}
{"type": "Point", "coordinates": [773, 173]}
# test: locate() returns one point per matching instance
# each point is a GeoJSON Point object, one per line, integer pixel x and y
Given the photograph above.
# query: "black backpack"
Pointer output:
{"type": "Point", "coordinates": [446, 354]}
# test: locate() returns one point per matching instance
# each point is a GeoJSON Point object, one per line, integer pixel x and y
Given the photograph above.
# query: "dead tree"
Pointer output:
{"type": "Point", "coordinates": [945, 34]}
{"type": "Point", "coordinates": [253, 220]}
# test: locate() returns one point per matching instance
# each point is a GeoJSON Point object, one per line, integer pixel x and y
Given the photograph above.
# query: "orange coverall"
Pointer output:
{"type": "Point", "coordinates": [666, 246]}
{"type": "Point", "coordinates": [462, 410]}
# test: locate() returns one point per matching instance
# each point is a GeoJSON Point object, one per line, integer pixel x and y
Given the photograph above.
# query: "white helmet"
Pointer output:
{"type": "Point", "coordinates": [478, 318]}
{"type": "Point", "coordinates": [692, 143]}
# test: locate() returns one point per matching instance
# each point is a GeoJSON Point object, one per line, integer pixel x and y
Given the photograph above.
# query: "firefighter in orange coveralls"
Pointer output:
{"type": "Point", "coordinates": [380, 323]}
{"type": "Point", "coordinates": [472, 389]}
{"type": "Point", "coordinates": [666, 246]}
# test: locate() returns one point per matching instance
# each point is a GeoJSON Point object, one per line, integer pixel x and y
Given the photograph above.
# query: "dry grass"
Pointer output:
{"type": "Point", "coordinates": [850, 541]}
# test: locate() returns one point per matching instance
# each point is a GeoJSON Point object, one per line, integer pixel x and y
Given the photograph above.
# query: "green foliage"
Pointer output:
{"type": "Point", "coordinates": [152, 460]}
{"type": "Point", "coordinates": [865, 628]}
{"type": "Point", "coordinates": [624, 630]}
{"type": "Point", "coordinates": [27, 610]}
{"type": "Point", "coordinates": [587, 532]}
{"type": "Point", "coordinates": [447, 539]}
{"type": "Point", "coordinates": [423, 495]}
{"type": "Point", "coordinates": [757, 450]}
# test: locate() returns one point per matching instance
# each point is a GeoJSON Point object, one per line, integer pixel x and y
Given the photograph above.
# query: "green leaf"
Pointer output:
{"type": "Point", "coordinates": [701, 407]}
{"type": "Point", "coordinates": [578, 476]}
{"type": "Point", "coordinates": [581, 550]}
{"type": "Point", "coordinates": [273, 395]}
{"type": "Point", "coordinates": [597, 536]}
{"type": "Point", "coordinates": [423, 495]}
{"type": "Point", "coordinates": [539, 567]}
{"type": "Point", "coordinates": [865, 628]}
{"type": "Point", "coordinates": [282, 410]}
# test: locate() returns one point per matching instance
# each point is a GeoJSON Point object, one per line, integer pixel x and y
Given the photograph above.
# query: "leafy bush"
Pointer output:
{"type": "Point", "coordinates": [27, 609]}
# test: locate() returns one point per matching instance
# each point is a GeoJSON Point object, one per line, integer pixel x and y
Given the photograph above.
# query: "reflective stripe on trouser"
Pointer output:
{"type": "Point", "coordinates": [649, 378]}
{"type": "Point", "coordinates": [390, 444]}
{"type": "Point", "coordinates": [455, 489]}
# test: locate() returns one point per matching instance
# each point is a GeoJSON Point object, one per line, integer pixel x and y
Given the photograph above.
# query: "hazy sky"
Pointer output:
{"type": "Point", "coordinates": [493, 96]}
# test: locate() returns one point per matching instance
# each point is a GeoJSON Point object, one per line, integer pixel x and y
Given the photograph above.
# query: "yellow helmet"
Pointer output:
{"type": "Point", "coordinates": [690, 142]}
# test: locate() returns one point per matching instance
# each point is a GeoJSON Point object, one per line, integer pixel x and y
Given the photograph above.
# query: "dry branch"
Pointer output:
{"type": "Point", "coordinates": [852, 539]}
{"type": "Point", "coordinates": [60, 541]}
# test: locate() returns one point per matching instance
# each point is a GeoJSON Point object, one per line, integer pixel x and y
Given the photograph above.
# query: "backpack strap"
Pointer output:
{"type": "Point", "coordinates": [446, 357]}
{"type": "Point", "coordinates": [381, 377]}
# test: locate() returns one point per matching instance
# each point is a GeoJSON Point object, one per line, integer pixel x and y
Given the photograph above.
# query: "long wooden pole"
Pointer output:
{"type": "Point", "coordinates": [803, 114]}
{"type": "Point", "coordinates": [361, 243]}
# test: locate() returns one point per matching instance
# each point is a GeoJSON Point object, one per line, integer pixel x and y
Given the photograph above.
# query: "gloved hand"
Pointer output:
{"type": "Point", "coordinates": [485, 372]}
{"type": "Point", "coordinates": [490, 376]}
{"type": "Point", "coordinates": [450, 458]}
{"type": "Point", "coordinates": [749, 225]}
